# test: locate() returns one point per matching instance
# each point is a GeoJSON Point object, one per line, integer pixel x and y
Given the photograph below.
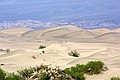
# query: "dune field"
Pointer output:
{"type": "Point", "coordinates": [23, 45]}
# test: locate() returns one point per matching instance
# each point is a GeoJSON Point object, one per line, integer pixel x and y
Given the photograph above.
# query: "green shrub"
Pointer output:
{"type": "Point", "coordinates": [2, 74]}
{"type": "Point", "coordinates": [13, 76]}
{"type": "Point", "coordinates": [76, 72]}
{"type": "Point", "coordinates": [78, 76]}
{"type": "Point", "coordinates": [44, 76]}
{"type": "Point", "coordinates": [42, 47]}
{"type": "Point", "coordinates": [115, 78]}
{"type": "Point", "coordinates": [74, 53]}
{"type": "Point", "coordinates": [94, 67]}
{"type": "Point", "coordinates": [81, 68]}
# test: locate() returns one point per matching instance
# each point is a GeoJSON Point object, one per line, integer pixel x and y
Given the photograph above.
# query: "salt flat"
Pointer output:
{"type": "Point", "coordinates": [99, 44]}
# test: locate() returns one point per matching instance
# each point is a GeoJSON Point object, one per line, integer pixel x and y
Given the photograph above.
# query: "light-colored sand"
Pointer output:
{"type": "Point", "coordinates": [14, 31]}
{"type": "Point", "coordinates": [97, 44]}
{"type": "Point", "coordinates": [104, 30]}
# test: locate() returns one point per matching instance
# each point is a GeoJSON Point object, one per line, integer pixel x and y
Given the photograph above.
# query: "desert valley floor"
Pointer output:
{"type": "Point", "coordinates": [98, 44]}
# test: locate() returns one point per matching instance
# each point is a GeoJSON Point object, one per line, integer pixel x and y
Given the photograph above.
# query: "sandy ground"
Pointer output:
{"type": "Point", "coordinates": [99, 44]}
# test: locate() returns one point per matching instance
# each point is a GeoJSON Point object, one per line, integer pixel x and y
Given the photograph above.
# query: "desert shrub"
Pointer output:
{"type": "Point", "coordinates": [94, 67]}
{"type": "Point", "coordinates": [76, 72]}
{"type": "Point", "coordinates": [2, 64]}
{"type": "Point", "coordinates": [44, 72]}
{"type": "Point", "coordinates": [7, 50]}
{"type": "Point", "coordinates": [44, 76]}
{"type": "Point", "coordinates": [79, 76]}
{"type": "Point", "coordinates": [13, 76]}
{"type": "Point", "coordinates": [81, 68]}
{"type": "Point", "coordinates": [42, 47]}
{"type": "Point", "coordinates": [2, 74]}
{"type": "Point", "coordinates": [43, 52]}
{"type": "Point", "coordinates": [26, 73]}
{"type": "Point", "coordinates": [115, 78]}
{"type": "Point", "coordinates": [33, 57]}
{"type": "Point", "coordinates": [74, 53]}
{"type": "Point", "coordinates": [2, 50]}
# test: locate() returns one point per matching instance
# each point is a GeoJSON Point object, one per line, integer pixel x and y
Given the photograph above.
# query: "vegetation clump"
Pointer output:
{"type": "Point", "coordinates": [74, 53]}
{"type": "Point", "coordinates": [44, 76]}
{"type": "Point", "coordinates": [2, 74]}
{"type": "Point", "coordinates": [6, 50]}
{"type": "Point", "coordinates": [45, 72]}
{"type": "Point", "coordinates": [92, 67]}
{"type": "Point", "coordinates": [42, 47]}
{"type": "Point", "coordinates": [115, 78]}
{"type": "Point", "coordinates": [33, 57]}
{"type": "Point", "coordinates": [9, 76]}
{"type": "Point", "coordinates": [13, 76]}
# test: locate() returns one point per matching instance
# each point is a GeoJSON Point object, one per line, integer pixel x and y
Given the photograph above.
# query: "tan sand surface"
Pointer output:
{"type": "Point", "coordinates": [98, 44]}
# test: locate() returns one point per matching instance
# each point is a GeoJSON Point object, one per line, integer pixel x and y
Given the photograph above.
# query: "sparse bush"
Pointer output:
{"type": "Point", "coordinates": [43, 52]}
{"type": "Point", "coordinates": [26, 73]}
{"type": "Point", "coordinates": [2, 50]}
{"type": "Point", "coordinates": [115, 78]}
{"type": "Point", "coordinates": [2, 64]}
{"type": "Point", "coordinates": [74, 53]}
{"type": "Point", "coordinates": [2, 74]}
{"type": "Point", "coordinates": [42, 47]}
{"type": "Point", "coordinates": [7, 50]}
{"type": "Point", "coordinates": [33, 57]}
{"type": "Point", "coordinates": [44, 72]}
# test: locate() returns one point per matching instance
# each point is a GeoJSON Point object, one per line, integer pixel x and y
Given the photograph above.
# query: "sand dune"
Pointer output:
{"type": "Point", "coordinates": [109, 37]}
{"type": "Point", "coordinates": [80, 34]}
{"type": "Point", "coordinates": [100, 44]}
{"type": "Point", "coordinates": [101, 30]}
{"type": "Point", "coordinates": [14, 31]}
{"type": "Point", "coordinates": [52, 32]}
